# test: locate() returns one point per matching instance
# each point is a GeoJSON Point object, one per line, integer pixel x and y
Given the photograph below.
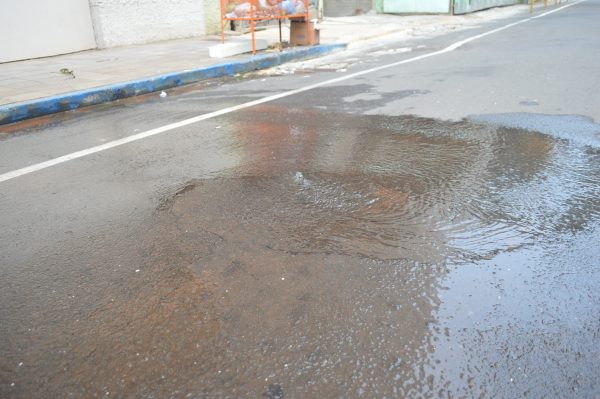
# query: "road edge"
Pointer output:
{"type": "Point", "coordinates": [20, 111]}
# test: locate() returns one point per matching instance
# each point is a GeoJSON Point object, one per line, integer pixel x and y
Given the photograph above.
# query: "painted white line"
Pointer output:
{"type": "Point", "coordinates": [153, 132]}
{"type": "Point", "coordinates": [557, 9]}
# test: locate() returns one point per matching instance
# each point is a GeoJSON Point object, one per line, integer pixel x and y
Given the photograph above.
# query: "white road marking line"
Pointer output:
{"type": "Point", "coordinates": [557, 9]}
{"type": "Point", "coordinates": [153, 132]}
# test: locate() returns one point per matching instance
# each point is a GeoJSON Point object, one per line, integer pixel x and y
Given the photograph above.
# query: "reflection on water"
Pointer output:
{"type": "Point", "coordinates": [347, 256]}
{"type": "Point", "coordinates": [409, 183]}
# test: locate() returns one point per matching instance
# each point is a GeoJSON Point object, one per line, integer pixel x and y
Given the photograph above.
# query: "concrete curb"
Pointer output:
{"type": "Point", "coordinates": [16, 112]}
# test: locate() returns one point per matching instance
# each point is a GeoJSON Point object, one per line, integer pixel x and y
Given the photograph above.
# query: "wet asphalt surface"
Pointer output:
{"type": "Point", "coordinates": [426, 231]}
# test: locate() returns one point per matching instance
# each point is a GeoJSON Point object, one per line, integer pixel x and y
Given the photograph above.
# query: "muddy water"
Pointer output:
{"type": "Point", "coordinates": [342, 256]}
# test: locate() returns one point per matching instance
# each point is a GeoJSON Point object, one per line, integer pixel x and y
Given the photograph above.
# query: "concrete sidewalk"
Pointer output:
{"type": "Point", "coordinates": [30, 80]}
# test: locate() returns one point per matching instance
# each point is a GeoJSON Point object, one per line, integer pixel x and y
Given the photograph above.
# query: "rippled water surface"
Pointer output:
{"type": "Point", "coordinates": [347, 256]}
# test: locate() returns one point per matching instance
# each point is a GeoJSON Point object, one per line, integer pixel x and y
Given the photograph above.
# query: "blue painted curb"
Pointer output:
{"type": "Point", "coordinates": [64, 102]}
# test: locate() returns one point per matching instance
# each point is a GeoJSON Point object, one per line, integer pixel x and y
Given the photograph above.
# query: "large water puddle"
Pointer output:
{"type": "Point", "coordinates": [355, 256]}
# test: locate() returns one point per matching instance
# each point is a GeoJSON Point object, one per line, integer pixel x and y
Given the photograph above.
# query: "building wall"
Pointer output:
{"type": "Point", "coordinates": [212, 17]}
{"type": "Point", "coordinates": [416, 6]}
{"type": "Point", "coordinates": [40, 28]}
{"type": "Point", "coordinates": [465, 6]}
{"type": "Point", "coordinates": [345, 8]}
{"type": "Point", "coordinates": [122, 22]}
{"type": "Point", "coordinates": [438, 6]}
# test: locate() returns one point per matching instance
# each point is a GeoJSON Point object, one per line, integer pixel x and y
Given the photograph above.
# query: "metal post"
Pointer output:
{"type": "Point", "coordinates": [252, 5]}
{"type": "Point", "coordinates": [308, 23]}
{"type": "Point", "coordinates": [531, 6]}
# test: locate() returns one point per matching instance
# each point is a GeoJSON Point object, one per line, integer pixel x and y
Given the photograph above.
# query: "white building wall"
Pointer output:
{"type": "Point", "coordinates": [121, 22]}
{"type": "Point", "coordinates": [40, 28]}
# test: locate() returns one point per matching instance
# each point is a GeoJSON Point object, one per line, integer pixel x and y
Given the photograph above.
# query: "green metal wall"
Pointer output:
{"type": "Point", "coordinates": [465, 6]}
{"type": "Point", "coordinates": [437, 6]}
{"type": "Point", "coordinates": [416, 6]}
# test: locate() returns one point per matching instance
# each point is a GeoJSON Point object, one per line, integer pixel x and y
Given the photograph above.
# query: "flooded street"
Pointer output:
{"type": "Point", "coordinates": [339, 256]}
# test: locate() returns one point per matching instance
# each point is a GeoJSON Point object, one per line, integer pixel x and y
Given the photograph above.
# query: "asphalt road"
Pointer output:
{"type": "Point", "coordinates": [425, 229]}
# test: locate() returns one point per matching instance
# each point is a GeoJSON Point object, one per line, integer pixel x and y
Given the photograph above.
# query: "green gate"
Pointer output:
{"type": "Point", "coordinates": [465, 6]}
{"type": "Point", "coordinates": [416, 6]}
{"type": "Point", "coordinates": [437, 6]}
